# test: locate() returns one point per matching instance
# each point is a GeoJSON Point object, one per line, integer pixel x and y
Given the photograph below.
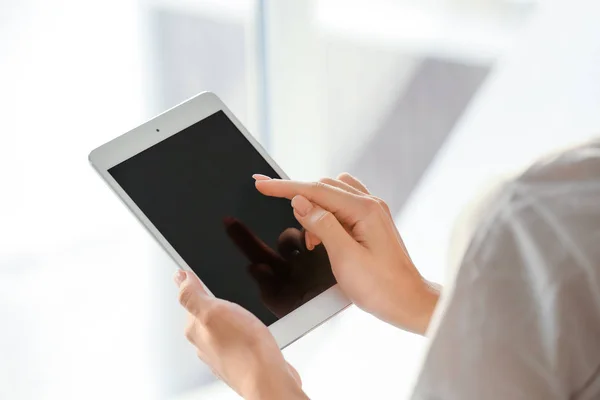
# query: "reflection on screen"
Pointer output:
{"type": "Point", "coordinates": [197, 190]}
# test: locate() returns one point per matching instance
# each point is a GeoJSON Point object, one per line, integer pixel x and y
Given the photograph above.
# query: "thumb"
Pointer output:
{"type": "Point", "coordinates": [324, 225]}
{"type": "Point", "coordinates": [192, 295]}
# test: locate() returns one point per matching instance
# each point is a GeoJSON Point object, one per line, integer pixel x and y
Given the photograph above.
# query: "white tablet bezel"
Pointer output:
{"type": "Point", "coordinates": [287, 329]}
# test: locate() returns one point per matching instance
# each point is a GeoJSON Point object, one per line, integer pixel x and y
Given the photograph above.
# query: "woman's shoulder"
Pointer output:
{"type": "Point", "coordinates": [523, 306]}
{"type": "Point", "coordinates": [577, 165]}
{"type": "Point", "coordinates": [563, 184]}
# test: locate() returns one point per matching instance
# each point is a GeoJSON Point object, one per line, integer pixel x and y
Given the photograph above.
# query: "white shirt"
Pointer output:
{"type": "Point", "coordinates": [520, 318]}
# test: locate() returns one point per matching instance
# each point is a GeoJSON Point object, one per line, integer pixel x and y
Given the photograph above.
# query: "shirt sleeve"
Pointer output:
{"type": "Point", "coordinates": [522, 319]}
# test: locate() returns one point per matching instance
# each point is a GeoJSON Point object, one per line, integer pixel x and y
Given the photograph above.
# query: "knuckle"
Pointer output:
{"type": "Point", "coordinates": [190, 331]}
{"type": "Point", "coordinates": [318, 186]}
{"type": "Point", "coordinates": [372, 205]}
{"type": "Point", "coordinates": [382, 203]}
{"type": "Point", "coordinates": [325, 219]}
{"type": "Point", "coordinates": [185, 296]}
{"type": "Point", "coordinates": [253, 343]}
{"type": "Point", "coordinates": [210, 315]}
{"type": "Point", "coordinates": [344, 175]}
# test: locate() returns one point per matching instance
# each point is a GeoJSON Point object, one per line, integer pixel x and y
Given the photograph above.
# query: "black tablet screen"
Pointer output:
{"type": "Point", "coordinates": [196, 187]}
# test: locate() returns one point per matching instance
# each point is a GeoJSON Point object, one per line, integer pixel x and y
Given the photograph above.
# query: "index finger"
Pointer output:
{"type": "Point", "coordinates": [347, 207]}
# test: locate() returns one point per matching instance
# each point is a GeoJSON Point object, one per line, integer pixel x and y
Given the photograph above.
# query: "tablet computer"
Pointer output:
{"type": "Point", "coordinates": [187, 176]}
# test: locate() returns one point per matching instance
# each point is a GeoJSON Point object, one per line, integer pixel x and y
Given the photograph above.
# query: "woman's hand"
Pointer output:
{"type": "Point", "coordinates": [236, 345]}
{"type": "Point", "coordinates": [368, 257]}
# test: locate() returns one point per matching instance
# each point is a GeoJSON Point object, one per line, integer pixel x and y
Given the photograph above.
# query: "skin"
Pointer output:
{"type": "Point", "coordinates": [368, 259]}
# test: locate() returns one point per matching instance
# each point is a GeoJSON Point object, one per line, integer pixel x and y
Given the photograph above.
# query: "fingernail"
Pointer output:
{"type": "Point", "coordinates": [261, 177]}
{"type": "Point", "coordinates": [301, 205]}
{"type": "Point", "coordinates": [308, 242]}
{"type": "Point", "coordinates": [179, 277]}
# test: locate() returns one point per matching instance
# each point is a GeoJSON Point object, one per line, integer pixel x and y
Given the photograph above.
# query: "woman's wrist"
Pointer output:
{"type": "Point", "coordinates": [428, 301]}
{"type": "Point", "coordinates": [415, 315]}
{"type": "Point", "coordinates": [287, 390]}
{"type": "Point", "coordinates": [267, 385]}
{"type": "Point", "coordinates": [291, 393]}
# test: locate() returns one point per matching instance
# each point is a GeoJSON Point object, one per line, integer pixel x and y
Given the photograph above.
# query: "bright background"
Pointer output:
{"type": "Point", "coordinates": [426, 101]}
